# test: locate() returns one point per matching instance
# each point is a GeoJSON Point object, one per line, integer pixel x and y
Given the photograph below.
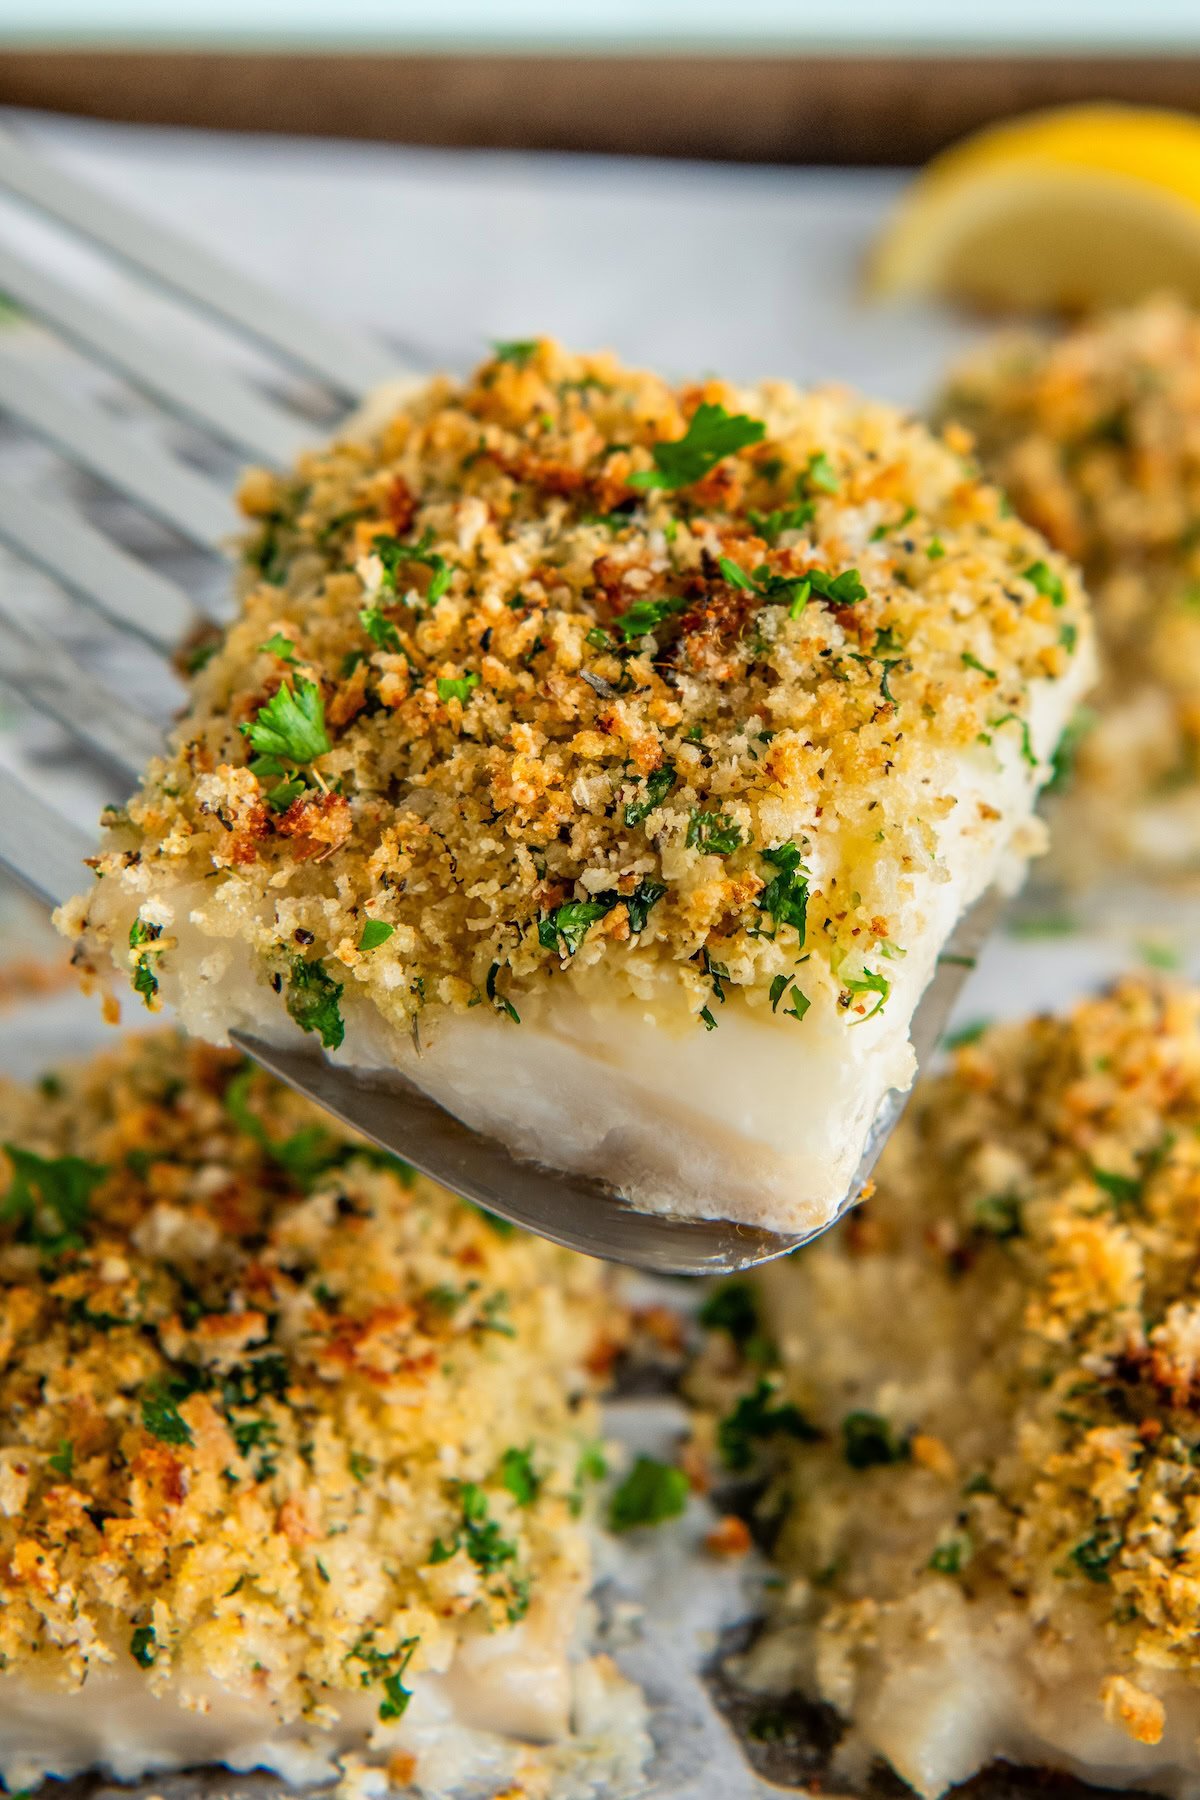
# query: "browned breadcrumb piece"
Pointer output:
{"type": "Point", "coordinates": [273, 1408]}
{"type": "Point", "coordinates": [1095, 436]}
{"type": "Point", "coordinates": [546, 683]}
{"type": "Point", "coordinates": [1030, 1423]}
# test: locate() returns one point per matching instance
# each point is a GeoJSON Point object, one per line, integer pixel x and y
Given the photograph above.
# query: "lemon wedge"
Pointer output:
{"type": "Point", "coordinates": [1078, 207]}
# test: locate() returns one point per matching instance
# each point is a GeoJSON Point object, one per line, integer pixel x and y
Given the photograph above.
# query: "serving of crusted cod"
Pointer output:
{"type": "Point", "coordinates": [295, 1448]}
{"type": "Point", "coordinates": [613, 759]}
{"type": "Point", "coordinates": [1095, 436]}
{"type": "Point", "coordinates": [990, 1498]}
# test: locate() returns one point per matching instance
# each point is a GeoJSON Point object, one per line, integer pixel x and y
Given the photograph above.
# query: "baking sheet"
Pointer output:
{"type": "Point", "coordinates": [750, 271]}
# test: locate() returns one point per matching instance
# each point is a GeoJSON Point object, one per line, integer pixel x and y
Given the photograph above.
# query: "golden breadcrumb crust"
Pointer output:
{"type": "Point", "coordinates": [1022, 1418]}
{"type": "Point", "coordinates": [273, 1409]}
{"type": "Point", "coordinates": [1095, 436]}
{"type": "Point", "coordinates": [576, 714]}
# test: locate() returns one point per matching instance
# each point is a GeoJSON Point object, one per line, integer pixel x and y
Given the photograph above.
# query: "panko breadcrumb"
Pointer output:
{"type": "Point", "coordinates": [289, 1435]}
{"type": "Point", "coordinates": [569, 684]}
{"type": "Point", "coordinates": [1095, 436]}
{"type": "Point", "coordinates": [987, 1406]}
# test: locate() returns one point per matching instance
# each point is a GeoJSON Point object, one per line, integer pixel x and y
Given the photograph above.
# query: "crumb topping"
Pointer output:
{"type": "Point", "coordinates": [1095, 436]}
{"type": "Point", "coordinates": [275, 1409]}
{"type": "Point", "coordinates": [566, 670]}
{"type": "Point", "coordinates": [1030, 1425]}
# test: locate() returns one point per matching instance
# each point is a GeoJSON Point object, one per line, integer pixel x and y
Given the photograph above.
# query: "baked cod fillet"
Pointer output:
{"type": "Point", "coordinates": [1095, 436]}
{"type": "Point", "coordinates": [614, 760]}
{"type": "Point", "coordinates": [294, 1447]}
{"type": "Point", "coordinates": [990, 1499]}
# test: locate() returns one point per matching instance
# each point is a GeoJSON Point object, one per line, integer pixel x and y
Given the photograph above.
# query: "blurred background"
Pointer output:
{"type": "Point", "coordinates": [782, 81]}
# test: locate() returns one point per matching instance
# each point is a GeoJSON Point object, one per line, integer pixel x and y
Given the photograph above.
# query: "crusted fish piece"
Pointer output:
{"type": "Point", "coordinates": [1095, 436]}
{"type": "Point", "coordinates": [613, 758]}
{"type": "Point", "coordinates": [295, 1448]}
{"type": "Point", "coordinates": [986, 1415]}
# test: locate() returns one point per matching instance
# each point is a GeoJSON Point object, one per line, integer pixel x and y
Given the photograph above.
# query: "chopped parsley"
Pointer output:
{"type": "Point", "coordinates": [770, 526]}
{"type": "Point", "coordinates": [290, 728]}
{"type": "Point", "coordinates": [869, 983]}
{"type": "Point", "coordinates": [374, 933]}
{"type": "Point", "coordinates": [713, 834]}
{"type": "Point", "coordinates": [1093, 1556]}
{"type": "Point", "coordinates": [756, 1418]}
{"type": "Point", "coordinates": [785, 897]}
{"type": "Point", "coordinates": [843, 589]}
{"type": "Point", "coordinates": [63, 1459]}
{"type": "Point", "coordinates": [387, 1667]}
{"type": "Point", "coordinates": [457, 687]}
{"type": "Point", "coordinates": [655, 791]}
{"type": "Point", "coordinates": [645, 895]}
{"type": "Point", "coordinates": [1046, 582]}
{"type": "Point", "coordinates": [644, 615]}
{"type": "Point", "coordinates": [869, 1442]}
{"type": "Point", "coordinates": [380, 629]}
{"type": "Point", "coordinates": [1011, 718]}
{"type": "Point", "coordinates": [143, 1646]}
{"type": "Point", "coordinates": [791, 591]}
{"type": "Point", "coordinates": [393, 555]}
{"type": "Point", "coordinates": [501, 1002]}
{"type": "Point", "coordinates": [312, 1001]}
{"type": "Point", "coordinates": [651, 1492]}
{"type": "Point", "coordinates": [518, 1476]}
{"type": "Point", "coordinates": [47, 1201]}
{"type": "Point", "coordinates": [950, 1555]}
{"type": "Point", "coordinates": [712, 434]}
{"type": "Point", "coordinates": [160, 1411]}
{"type": "Point", "coordinates": [971, 661]}
{"type": "Point", "coordinates": [819, 473]}
{"type": "Point", "coordinates": [280, 646]}
{"type": "Point", "coordinates": [517, 351]}
{"type": "Point", "coordinates": [478, 1535]}
{"type": "Point", "coordinates": [144, 939]}
{"type": "Point", "coordinates": [572, 921]}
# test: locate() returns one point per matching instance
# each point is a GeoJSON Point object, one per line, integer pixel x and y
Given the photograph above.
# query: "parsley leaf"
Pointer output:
{"type": "Point", "coordinates": [312, 1001]}
{"type": "Point", "coordinates": [644, 615]}
{"type": "Point", "coordinates": [772, 525]}
{"type": "Point", "coordinates": [387, 1667]}
{"type": "Point", "coordinates": [819, 473]}
{"type": "Point", "coordinates": [290, 728]}
{"type": "Point", "coordinates": [280, 646]}
{"type": "Point", "coordinates": [1046, 582]}
{"type": "Point", "coordinates": [843, 589]}
{"type": "Point", "coordinates": [651, 1492]}
{"type": "Point", "coordinates": [63, 1459]}
{"type": "Point", "coordinates": [514, 350]}
{"type": "Point", "coordinates": [478, 1534]}
{"type": "Point", "coordinates": [161, 1415]}
{"type": "Point", "coordinates": [971, 661]}
{"type": "Point", "coordinates": [869, 983]}
{"type": "Point", "coordinates": [143, 1646]}
{"type": "Point", "coordinates": [374, 933]}
{"type": "Point", "coordinates": [1094, 1555]}
{"type": "Point", "coordinates": [869, 1442]}
{"type": "Point", "coordinates": [380, 629]}
{"type": "Point", "coordinates": [713, 834]}
{"type": "Point", "coordinates": [572, 921]}
{"type": "Point", "coordinates": [755, 1418]}
{"type": "Point", "coordinates": [950, 1555]}
{"type": "Point", "coordinates": [393, 555]}
{"type": "Point", "coordinates": [48, 1199]}
{"type": "Point", "coordinates": [645, 895]}
{"type": "Point", "coordinates": [518, 1476]}
{"type": "Point", "coordinates": [500, 1001]}
{"type": "Point", "coordinates": [457, 687]}
{"type": "Point", "coordinates": [657, 787]}
{"type": "Point", "coordinates": [785, 897]}
{"type": "Point", "coordinates": [143, 938]}
{"type": "Point", "coordinates": [712, 434]}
